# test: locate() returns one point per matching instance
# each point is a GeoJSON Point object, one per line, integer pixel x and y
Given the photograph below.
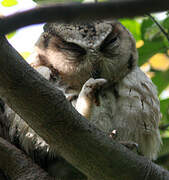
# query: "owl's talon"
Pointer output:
{"type": "Point", "coordinates": [72, 97]}
{"type": "Point", "coordinates": [91, 87]}
{"type": "Point", "coordinates": [130, 145]}
{"type": "Point", "coordinates": [113, 134]}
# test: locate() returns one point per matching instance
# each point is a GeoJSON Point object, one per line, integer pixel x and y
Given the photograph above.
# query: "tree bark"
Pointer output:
{"type": "Point", "coordinates": [17, 166]}
{"type": "Point", "coordinates": [46, 110]}
{"type": "Point", "coordinates": [69, 12]}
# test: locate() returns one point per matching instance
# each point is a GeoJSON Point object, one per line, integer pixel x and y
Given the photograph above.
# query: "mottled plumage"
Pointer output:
{"type": "Point", "coordinates": [95, 66]}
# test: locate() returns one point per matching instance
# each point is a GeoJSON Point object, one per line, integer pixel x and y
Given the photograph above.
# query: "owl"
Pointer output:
{"type": "Point", "coordinates": [94, 64]}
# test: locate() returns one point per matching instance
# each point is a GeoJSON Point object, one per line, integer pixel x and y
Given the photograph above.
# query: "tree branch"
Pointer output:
{"type": "Point", "coordinates": [16, 165]}
{"type": "Point", "coordinates": [160, 27]}
{"type": "Point", "coordinates": [74, 12]}
{"type": "Point", "coordinates": [79, 142]}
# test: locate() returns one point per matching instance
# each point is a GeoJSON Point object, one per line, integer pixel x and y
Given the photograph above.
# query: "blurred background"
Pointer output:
{"type": "Point", "coordinates": [152, 45]}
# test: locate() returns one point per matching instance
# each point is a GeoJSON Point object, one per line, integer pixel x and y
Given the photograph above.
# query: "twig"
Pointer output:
{"type": "Point", "coordinates": [160, 27]}
{"type": "Point", "coordinates": [81, 12]}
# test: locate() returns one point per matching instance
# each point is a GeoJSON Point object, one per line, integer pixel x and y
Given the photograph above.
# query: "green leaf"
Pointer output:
{"type": "Point", "coordinates": [25, 54]}
{"type": "Point", "coordinates": [55, 1]}
{"type": "Point", "coordinates": [10, 35]}
{"type": "Point", "coordinates": [9, 3]}
{"type": "Point", "coordinates": [146, 24]}
{"type": "Point", "coordinates": [149, 49]}
{"type": "Point", "coordinates": [161, 80]}
{"type": "Point", "coordinates": [165, 23]}
{"type": "Point", "coordinates": [133, 26]}
{"type": "Point", "coordinates": [165, 147]}
{"type": "Point", "coordinates": [154, 41]}
{"type": "Point", "coordinates": [164, 107]}
{"type": "Point", "coordinates": [150, 31]}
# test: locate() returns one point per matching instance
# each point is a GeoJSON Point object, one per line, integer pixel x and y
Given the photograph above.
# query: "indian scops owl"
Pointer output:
{"type": "Point", "coordinates": [95, 65]}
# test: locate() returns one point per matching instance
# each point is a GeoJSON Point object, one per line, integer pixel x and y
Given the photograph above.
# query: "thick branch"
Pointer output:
{"type": "Point", "coordinates": [46, 110]}
{"type": "Point", "coordinates": [17, 166]}
{"type": "Point", "coordinates": [82, 12]}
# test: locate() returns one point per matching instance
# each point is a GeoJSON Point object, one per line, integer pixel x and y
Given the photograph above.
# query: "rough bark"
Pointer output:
{"type": "Point", "coordinates": [17, 166]}
{"type": "Point", "coordinates": [46, 110]}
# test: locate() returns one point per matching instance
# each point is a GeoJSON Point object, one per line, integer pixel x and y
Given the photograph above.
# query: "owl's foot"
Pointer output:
{"type": "Point", "coordinates": [44, 71]}
{"type": "Point", "coordinates": [130, 145]}
{"type": "Point", "coordinates": [113, 134]}
{"type": "Point", "coordinates": [91, 89]}
{"type": "Point", "coordinates": [72, 97]}
{"type": "Point", "coordinates": [89, 96]}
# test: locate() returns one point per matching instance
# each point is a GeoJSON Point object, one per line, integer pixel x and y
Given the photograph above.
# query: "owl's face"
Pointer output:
{"type": "Point", "coordinates": [101, 49]}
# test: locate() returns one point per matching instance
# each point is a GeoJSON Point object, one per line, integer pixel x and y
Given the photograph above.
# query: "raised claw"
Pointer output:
{"type": "Point", "coordinates": [88, 96]}
{"type": "Point", "coordinates": [92, 86]}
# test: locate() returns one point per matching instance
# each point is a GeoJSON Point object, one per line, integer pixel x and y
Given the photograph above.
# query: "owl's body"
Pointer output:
{"type": "Point", "coordinates": [95, 66]}
{"type": "Point", "coordinates": [133, 113]}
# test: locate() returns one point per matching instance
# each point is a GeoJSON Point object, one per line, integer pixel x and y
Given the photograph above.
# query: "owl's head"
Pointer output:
{"type": "Point", "coordinates": [100, 49]}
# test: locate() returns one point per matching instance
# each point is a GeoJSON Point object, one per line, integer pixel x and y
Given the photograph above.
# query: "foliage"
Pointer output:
{"type": "Point", "coordinates": [134, 26]}
{"type": "Point", "coordinates": [9, 3]}
{"type": "Point", "coordinates": [165, 110]}
{"type": "Point", "coordinates": [10, 35]}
